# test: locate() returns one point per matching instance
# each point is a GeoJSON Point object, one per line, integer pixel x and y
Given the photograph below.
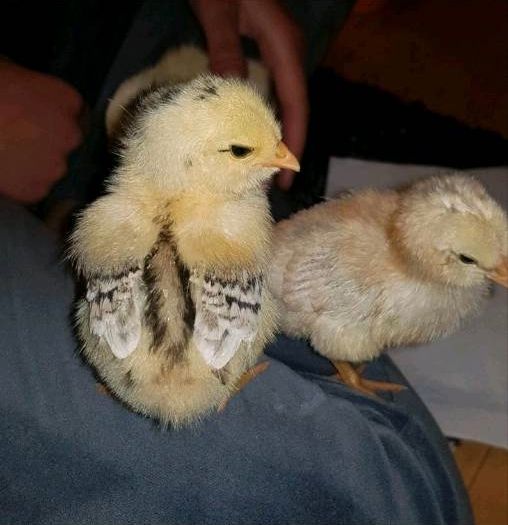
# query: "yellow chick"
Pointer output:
{"type": "Point", "coordinates": [174, 255]}
{"type": "Point", "coordinates": [384, 268]}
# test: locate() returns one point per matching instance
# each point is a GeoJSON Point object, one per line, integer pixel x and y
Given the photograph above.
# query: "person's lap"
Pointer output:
{"type": "Point", "coordinates": [294, 446]}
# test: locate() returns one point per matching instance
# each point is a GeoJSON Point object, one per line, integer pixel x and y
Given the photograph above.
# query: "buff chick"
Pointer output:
{"type": "Point", "coordinates": [378, 269]}
{"type": "Point", "coordinates": [174, 255]}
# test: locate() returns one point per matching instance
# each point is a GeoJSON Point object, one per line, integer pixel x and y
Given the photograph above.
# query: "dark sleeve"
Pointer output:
{"type": "Point", "coordinates": [28, 31]}
{"type": "Point", "coordinates": [75, 40]}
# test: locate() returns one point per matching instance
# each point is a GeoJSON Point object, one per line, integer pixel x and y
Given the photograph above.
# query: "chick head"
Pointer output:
{"type": "Point", "coordinates": [212, 134]}
{"type": "Point", "coordinates": [454, 232]}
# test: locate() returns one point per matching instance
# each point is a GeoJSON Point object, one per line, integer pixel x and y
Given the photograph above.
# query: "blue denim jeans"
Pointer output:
{"type": "Point", "coordinates": [295, 446]}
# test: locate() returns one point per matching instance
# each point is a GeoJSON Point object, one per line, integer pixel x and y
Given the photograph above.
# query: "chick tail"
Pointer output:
{"type": "Point", "coordinates": [352, 378]}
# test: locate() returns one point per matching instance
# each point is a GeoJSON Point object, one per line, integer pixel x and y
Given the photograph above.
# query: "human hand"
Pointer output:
{"type": "Point", "coordinates": [38, 129]}
{"type": "Point", "coordinates": [280, 43]}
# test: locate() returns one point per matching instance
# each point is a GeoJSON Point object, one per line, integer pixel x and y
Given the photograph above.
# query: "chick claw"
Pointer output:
{"type": "Point", "coordinates": [244, 380]}
{"type": "Point", "coordinates": [352, 378]}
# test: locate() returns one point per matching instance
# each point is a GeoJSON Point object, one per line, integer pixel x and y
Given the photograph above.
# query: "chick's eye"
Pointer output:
{"type": "Point", "coordinates": [467, 260]}
{"type": "Point", "coordinates": [240, 152]}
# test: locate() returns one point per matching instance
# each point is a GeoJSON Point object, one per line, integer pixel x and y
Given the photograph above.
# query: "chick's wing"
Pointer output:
{"type": "Point", "coordinates": [116, 308]}
{"type": "Point", "coordinates": [307, 280]}
{"type": "Point", "coordinates": [226, 316]}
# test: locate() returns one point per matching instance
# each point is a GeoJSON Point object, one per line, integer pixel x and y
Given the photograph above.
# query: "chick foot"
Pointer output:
{"type": "Point", "coordinates": [244, 380]}
{"type": "Point", "coordinates": [352, 378]}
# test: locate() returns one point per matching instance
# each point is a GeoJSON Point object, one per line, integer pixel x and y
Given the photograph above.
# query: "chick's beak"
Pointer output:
{"type": "Point", "coordinates": [500, 273]}
{"type": "Point", "coordinates": [283, 159]}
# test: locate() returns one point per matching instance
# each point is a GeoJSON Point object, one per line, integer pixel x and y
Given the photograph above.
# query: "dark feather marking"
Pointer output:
{"type": "Point", "coordinates": [113, 276]}
{"type": "Point", "coordinates": [165, 236]}
{"type": "Point", "coordinates": [101, 296]}
{"type": "Point", "coordinates": [147, 99]}
{"type": "Point", "coordinates": [241, 304]}
{"type": "Point", "coordinates": [245, 287]}
{"type": "Point", "coordinates": [153, 97]}
{"type": "Point", "coordinates": [183, 276]}
{"type": "Point", "coordinates": [177, 351]}
{"type": "Point", "coordinates": [128, 380]}
{"type": "Point", "coordinates": [208, 91]}
{"type": "Point", "coordinates": [154, 304]}
{"type": "Point", "coordinates": [212, 294]}
{"type": "Point", "coordinates": [156, 299]}
{"type": "Point", "coordinates": [169, 93]}
{"type": "Point", "coordinates": [251, 282]}
{"type": "Point", "coordinates": [190, 309]}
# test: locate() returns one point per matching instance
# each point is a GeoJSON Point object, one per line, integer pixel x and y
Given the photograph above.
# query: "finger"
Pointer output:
{"type": "Point", "coordinates": [291, 90]}
{"type": "Point", "coordinates": [281, 51]}
{"type": "Point", "coordinates": [72, 134]}
{"type": "Point", "coordinates": [69, 98]}
{"type": "Point", "coordinates": [73, 100]}
{"type": "Point", "coordinates": [219, 20]}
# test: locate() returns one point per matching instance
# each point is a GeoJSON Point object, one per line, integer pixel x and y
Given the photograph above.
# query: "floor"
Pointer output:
{"type": "Point", "coordinates": [485, 473]}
